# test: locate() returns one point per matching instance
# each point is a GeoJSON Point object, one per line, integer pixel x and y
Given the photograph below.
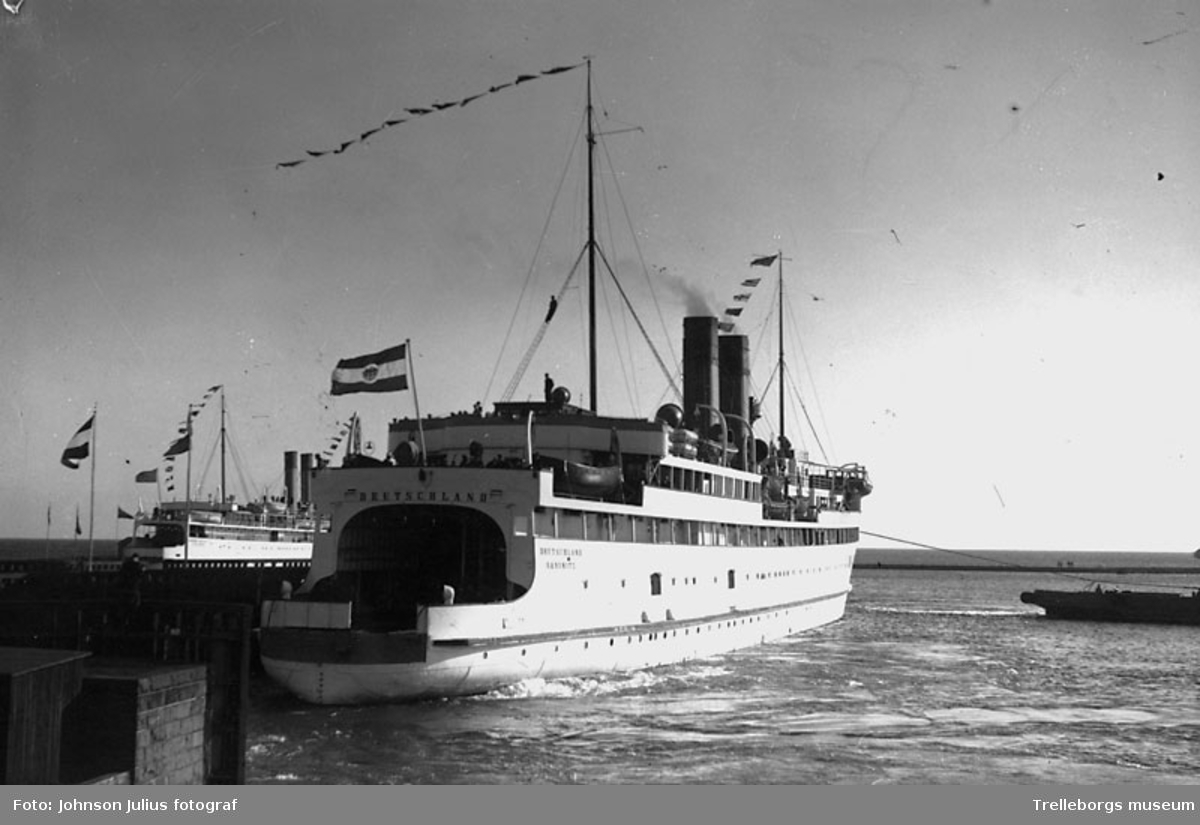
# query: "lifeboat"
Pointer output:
{"type": "Point", "coordinates": [586, 480]}
{"type": "Point", "coordinates": [685, 443]}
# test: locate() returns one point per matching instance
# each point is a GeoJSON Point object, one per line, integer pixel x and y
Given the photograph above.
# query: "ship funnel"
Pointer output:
{"type": "Point", "coordinates": [735, 375]}
{"type": "Point", "coordinates": [306, 469]}
{"type": "Point", "coordinates": [291, 482]}
{"type": "Point", "coordinates": [700, 367]}
{"type": "Point", "coordinates": [734, 392]}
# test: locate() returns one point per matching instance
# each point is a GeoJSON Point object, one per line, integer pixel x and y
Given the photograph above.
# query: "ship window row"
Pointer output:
{"type": "Point", "coordinates": [617, 527]}
{"type": "Point", "coordinates": [236, 534]}
{"type": "Point", "coordinates": [731, 578]}
{"type": "Point", "coordinates": [709, 484]}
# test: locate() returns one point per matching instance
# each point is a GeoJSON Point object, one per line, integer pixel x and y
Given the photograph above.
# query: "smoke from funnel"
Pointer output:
{"type": "Point", "coordinates": [696, 302]}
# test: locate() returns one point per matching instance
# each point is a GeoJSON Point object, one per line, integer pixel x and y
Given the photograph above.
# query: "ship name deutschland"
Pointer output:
{"type": "Point", "coordinates": [560, 563]}
{"type": "Point", "coordinates": [424, 496]}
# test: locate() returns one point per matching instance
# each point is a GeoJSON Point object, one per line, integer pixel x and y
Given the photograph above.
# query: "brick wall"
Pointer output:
{"type": "Point", "coordinates": [147, 720]}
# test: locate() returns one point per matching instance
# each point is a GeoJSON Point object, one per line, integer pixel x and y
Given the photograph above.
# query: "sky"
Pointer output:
{"type": "Point", "coordinates": [987, 211]}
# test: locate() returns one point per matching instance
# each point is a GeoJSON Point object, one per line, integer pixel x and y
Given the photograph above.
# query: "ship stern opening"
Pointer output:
{"type": "Point", "coordinates": [395, 559]}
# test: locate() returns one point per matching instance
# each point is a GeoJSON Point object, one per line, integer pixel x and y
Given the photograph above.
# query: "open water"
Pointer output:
{"type": "Point", "coordinates": [931, 677]}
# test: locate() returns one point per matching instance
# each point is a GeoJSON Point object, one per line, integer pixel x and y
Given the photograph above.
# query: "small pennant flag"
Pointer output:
{"type": "Point", "coordinates": [122, 514]}
{"type": "Point", "coordinates": [766, 260]}
{"type": "Point", "coordinates": [179, 447]}
{"type": "Point", "coordinates": [79, 446]}
{"type": "Point", "coordinates": [734, 311]}
{"type": "Point", "coordinates": [78, 529]}
{"type": "Point", "coordinates": [385, 371]}
{"type": "Point", "coordinates": [147, 476]}
{"type": "Point", "coordinates": [751, 282]}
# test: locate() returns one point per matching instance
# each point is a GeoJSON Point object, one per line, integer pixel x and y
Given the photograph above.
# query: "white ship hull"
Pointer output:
{"type": "Point", "coordinates": [492, 664]}
{"type": "Point", "coordinates": [242, 551]}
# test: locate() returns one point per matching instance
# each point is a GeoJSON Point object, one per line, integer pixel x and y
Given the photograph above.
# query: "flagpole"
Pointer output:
{"type": "Point", "coordinates": [92, 502]}
{"type": "Point", "coordinates": [416, 401]}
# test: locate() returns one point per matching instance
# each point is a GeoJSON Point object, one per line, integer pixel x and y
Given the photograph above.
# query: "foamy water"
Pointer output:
{"type": "Point", "coordinates": [931, 677]}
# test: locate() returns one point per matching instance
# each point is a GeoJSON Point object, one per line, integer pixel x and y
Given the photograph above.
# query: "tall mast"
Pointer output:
{"type": "Point", "coordinates": [222, 500]}
{"type": "Point", "coordinates": [591, 243]}
{"type": "Point", "coordinates": [781, 364]}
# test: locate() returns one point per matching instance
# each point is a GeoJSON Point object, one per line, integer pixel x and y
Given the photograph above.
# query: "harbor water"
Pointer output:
{"type": "Point", "coordinates": [933, 676]}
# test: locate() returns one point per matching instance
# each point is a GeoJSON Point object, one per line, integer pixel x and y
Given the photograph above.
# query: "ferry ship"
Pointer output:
{"type": "Point", "coordinates": [213, 532]}
{"type": "Point", "coordinates": [220, 531]}
{"type": "Point", "coordinates": [544, 540]}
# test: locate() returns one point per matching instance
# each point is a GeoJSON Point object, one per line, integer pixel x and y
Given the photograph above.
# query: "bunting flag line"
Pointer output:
{"type": "Point", "coordinates": [733, 312]}
{"type": "Point", "coordinates": [183, 441]}
{"type": "Point", "coordinates": [419, 111]}
{"type": "Point", "coordinates": [385, 371]}
{"type": "Point", "coordinates": [80, 445]}
{"type": "Point", "coordinates": [327, 453]}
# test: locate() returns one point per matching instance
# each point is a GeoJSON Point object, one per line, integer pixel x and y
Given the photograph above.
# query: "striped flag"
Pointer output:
{"type": "Point", "coordinates": [79, 446]}
{"type": "Point", "coordinates": [385, 371]}
{"type": "Point", "coordinates": [179, 446]}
